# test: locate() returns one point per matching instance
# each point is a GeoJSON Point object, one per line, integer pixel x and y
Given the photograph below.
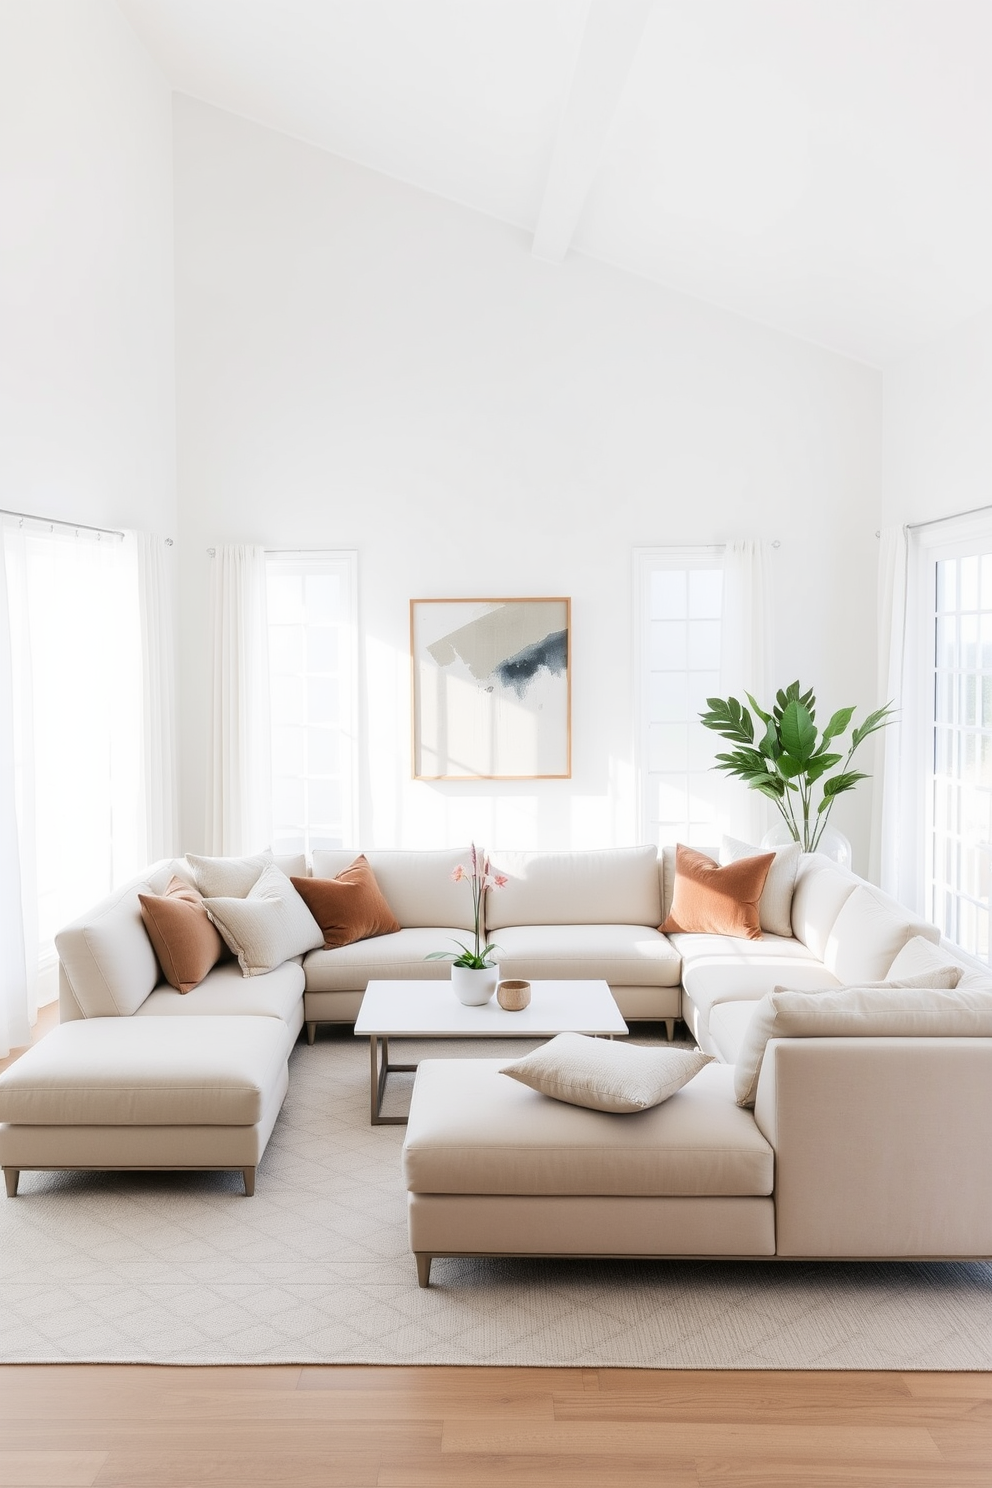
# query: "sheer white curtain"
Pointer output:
{"type": "Point", "coordinates": [239, 779]}
{"type": "Point", "coordinates": [743, 665]}
{"type": "Point", "coordinates": [18, 932]}
{"type": "Point", "coordinates": [892, 838]}
{"type": "Point", "coordinates": [158, 675]}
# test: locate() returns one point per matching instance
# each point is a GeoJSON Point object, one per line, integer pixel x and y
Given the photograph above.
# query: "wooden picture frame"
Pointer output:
{"type": "Point", "coordinates": [491, 689]}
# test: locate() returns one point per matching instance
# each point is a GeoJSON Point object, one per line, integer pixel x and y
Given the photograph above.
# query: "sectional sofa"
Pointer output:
{"type": "Point", "coordinates": [863, 1138]}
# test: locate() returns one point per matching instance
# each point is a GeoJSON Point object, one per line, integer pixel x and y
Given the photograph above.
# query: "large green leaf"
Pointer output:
{"type": "Point", "coordinates": [820, 764]}
{"type": "Point", "coordinates": [742, 762]}
{"type": "Point", "coordinates": [770, 744]}
{"type": "Point", "coordinates": [838, 784]}
{"type": "Point", "coordinates": [838, 723]}
{"type": "Point", "coordinates": [798, 731]}
{"type": "Point", "coordinates": [765, 717]}
{"type": "Point", "coordinates": [730, 718]}
{"type": "Point", "coordinates": [790, 768]}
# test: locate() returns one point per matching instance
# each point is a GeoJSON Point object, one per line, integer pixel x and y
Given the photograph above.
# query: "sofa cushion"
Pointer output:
{"type": "Point", "coordinates": [268, 926]}
{"type": "Point", "coordinates": [775, 905]}
{"type": "Point", "coordinates": [635, 955]}
{"type": "Point", "coordinates": [184, 940]}
{"type": "Point", "coordinates": [349, 968]}
{"type": "Point", "coordinates": [348, 907]}
{"type": "Point", "coordinates": [417, 886]}
{"type": "Point", "coordinates": [822, 888]}
{"type": "Point", "coordinates": [472, 1131]}
{"type": "Point", "coordinates": [716, 901]}
{"type": "Point", "coordinates": [869, 931]}
{"type": "Point", "coordinates": [141, 1072]}
{"type": "Point", "coordinates": [225, 992]}
{"type": "Point", "coordinates": [107, 956]}
{"type": "Point", "coordinates": [604, 1075]}
{"type": "Point", "coordinates": [920, 955]}
{"type": "Point", "coordinates": [617, 885]}
{"type": "Point", "coordinates": [227, 878]}
{"type": "Point", "coordinates": [910, 1011]}
{"type": "Point", "coordinates": [728, 1024]}
{"type": "Point", "coordinates": [718, 969]}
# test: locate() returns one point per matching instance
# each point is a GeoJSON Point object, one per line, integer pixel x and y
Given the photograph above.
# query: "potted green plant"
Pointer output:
{"type": "Point", "coordinates": [473, 975]}
{"type": "Point", "coordinates": [791, 760]}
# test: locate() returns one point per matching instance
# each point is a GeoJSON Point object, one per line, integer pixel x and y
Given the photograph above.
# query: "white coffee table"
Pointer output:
{"type": "Point", "coordinates": [412, 1009]}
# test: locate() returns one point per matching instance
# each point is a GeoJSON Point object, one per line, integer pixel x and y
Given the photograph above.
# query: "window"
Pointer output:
{"type": "Point", "coordinates": [77, 714]}
{"type": "Point", "coordinates": [953, 601]}
{"type": "Point", "coordinates": [313, 654]}
{"type": "Point", "coordinates": [680, 611]}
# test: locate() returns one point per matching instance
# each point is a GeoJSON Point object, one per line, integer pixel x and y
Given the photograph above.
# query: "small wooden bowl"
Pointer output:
{"type": "Point", "coordinates": [513, 996]}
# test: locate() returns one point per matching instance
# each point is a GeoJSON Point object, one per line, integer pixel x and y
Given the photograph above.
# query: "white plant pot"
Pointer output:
{"type": "Point", "coordinates": [471, 987]}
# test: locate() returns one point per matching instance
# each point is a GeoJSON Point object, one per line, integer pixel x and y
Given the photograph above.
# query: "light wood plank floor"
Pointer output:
{"type": "Point", "coordinates": [106, 1426]}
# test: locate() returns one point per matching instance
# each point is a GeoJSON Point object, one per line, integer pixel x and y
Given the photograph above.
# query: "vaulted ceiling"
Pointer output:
{"type": "Point", "coordinates": [822, 166]}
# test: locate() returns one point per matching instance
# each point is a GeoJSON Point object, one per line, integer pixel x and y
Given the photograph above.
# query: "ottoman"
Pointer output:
{"type": "Point", "coordinates": [143, 1093]}
{"type": "Point", "coordinates": [494, 1168]}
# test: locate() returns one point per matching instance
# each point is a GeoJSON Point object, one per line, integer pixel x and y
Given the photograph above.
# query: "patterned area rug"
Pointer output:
{"type": "Point", "coordinates": [180, 1269]}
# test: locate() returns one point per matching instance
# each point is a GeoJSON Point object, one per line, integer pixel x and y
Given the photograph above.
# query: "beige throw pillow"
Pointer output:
{"type": "Point", "coordinates": [775, 904]}
{"type": "Point", "coordinates": [604, 1075]}
{"type": "Point", "coordinates": [918, 1007]}
{"type": "Point", "coordinates": [267, 927]}
{"type": "Point", "coordinates": [228, 878]}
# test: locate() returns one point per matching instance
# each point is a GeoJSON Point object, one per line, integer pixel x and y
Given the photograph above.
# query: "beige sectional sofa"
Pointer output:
{"type": "Point", "coordinates": [856, 1145]}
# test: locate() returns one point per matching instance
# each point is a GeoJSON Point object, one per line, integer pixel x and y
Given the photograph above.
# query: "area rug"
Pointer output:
{"type": "Point", "coordinates": [181, 1269]}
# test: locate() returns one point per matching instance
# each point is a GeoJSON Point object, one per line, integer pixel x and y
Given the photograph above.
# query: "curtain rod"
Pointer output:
{"type": "Point", "coordinates": [976, 511]}
{"type": "Point", "coordinates": [61, 522]}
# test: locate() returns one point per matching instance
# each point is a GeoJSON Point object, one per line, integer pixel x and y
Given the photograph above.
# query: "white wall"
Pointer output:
{"type": "Point", "coordinates": [363, 365]}
{"type": "Point", "coordinates": [937, 409]}
{"type": "Point", "coordinates": [86, 277]}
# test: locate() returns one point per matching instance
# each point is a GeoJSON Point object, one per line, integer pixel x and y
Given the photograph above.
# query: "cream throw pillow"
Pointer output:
{"type": "Point", "coordinates": [775, 904]}
{"type": "Point", "coordinates": [919, 1007]}
{"type": "Point", "coordinates": [603, 1075]}
{"type": "Point", "coordinates": [267, 927]}
{"type": "Point", "coordinates": [228, 878]}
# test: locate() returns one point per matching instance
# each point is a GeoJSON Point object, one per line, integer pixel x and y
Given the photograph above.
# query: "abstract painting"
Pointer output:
{"type": "Point", "coordinates": [491, 689]}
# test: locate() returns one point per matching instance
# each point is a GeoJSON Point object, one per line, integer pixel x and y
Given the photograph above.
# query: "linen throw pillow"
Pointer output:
{"type": "Point", "coordinates": [186, 943]}
{"type": "Point", "coordinates": [606, 1076]}
{"type": "Point", "coordinates": [228, 878]}
{"type": "Point", "coordinates": [923, 1006]}
{"type": "Point", "coordinates": [709, 900]}
{"type": "Point", "coordinates": [349, 907]}
{"type": "Point", "coordinates": [775, 905]}
{"type": "Point", "coordinates": [270, 925]}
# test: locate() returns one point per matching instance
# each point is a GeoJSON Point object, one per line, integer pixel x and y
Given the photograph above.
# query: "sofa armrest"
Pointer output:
{"type": "Point", "coordinates": [881, 1145]}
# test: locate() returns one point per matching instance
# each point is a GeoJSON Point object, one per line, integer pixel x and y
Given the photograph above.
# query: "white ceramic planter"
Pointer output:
{"type": "Point", "coordinates": [471, 987]}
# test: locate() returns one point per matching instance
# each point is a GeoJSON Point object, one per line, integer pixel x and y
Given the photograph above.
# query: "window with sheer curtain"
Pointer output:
{"type": "Point", "coordinates": [311, 601]}
{"type": "Point", "coordinates": [75, 716]}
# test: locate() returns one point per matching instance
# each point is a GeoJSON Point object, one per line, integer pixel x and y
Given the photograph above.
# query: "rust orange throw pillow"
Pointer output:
{"type": "Point", "coordinates": [185, 942]}
{"type": "Point", "coordinates": [709, 900]}
{"type": "Point", "coordinates": [347, 908]}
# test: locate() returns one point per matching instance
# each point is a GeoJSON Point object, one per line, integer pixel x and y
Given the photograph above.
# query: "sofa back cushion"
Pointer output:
{"type": "Point", "coordinates": [107, 956]}
{"type": "Point", "coordinates": [911, 1011]}
{"type": "Point", "coordinates": [869, 932]}
{"type": "Point", "coordinates": [822, 887]}
{"type": "Point", "coordinates": [417, 886]}
{"type": "Point", "coordinates": [611, 886]}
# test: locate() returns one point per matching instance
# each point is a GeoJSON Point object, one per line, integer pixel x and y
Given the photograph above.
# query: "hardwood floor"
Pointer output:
{"type": "Point", "coordinates": [107, 1426]}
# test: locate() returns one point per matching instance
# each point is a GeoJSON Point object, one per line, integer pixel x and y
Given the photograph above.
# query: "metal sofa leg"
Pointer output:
{"type": "Point", "coordinates": [11, 1177]}
{"type": "Point", "coordinates": [670, 1028]}
{"type": "Point", "coordinates": [249, 1176]}
{"type": "Point", "coordinates": [311, 1032]}
{"type": "Point", "coordinates": [424, 1268]}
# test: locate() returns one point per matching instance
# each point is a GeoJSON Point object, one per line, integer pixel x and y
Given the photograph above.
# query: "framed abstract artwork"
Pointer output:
{"type": "Point", "coordinates": [492, 688]}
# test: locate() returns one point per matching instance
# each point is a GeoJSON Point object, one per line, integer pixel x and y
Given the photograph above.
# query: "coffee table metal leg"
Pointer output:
{"type": "Point", "coordinates": [380, 1068]}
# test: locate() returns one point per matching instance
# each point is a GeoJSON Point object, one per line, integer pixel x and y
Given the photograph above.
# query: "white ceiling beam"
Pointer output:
{"type": "Point", "coordinates": [610, 41]}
